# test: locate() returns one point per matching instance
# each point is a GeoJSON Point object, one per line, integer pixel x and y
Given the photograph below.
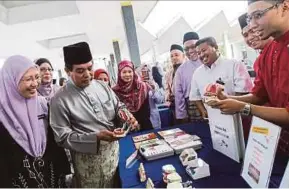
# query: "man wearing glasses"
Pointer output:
{"type": "Point", "coordinates": [184, 108]}
{"type": "Point", "coordinates": [267, 18]}
{"type": "Point", "coordinates": [251, 38]}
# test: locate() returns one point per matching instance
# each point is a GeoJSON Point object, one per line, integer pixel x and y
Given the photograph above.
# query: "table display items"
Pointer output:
{"type": "Point", "coordinates": [142, 173]}
{"type": "Point", "coordinates": [189, 157]}
{"type": "Point", "coordinates": [131, 159]}
{"type": "Point", "coordinates": [210, 95]}
{"type": "Point", "coordinates": [150, 184]}
{"type": "Point", "coordinates": [175, 185]}
{"type": "Point", "coordinates": [174, 178]}
{"type": "Point", "coordinates": [171, 133]}
{"type": "Point", "coordinates": [180, 140]}
{"type": "Point", "coordinates": [122, 132]}
{"type": "Point", "coordinates": [146, 142]}
{"type": "Point", "coordinates": [156, 150]}
{"type": "Point", "coordinates": [167, 169]}
{"type": "Point", "coordinates": [187, 185]}
{"type": "Point", "coordinates": [202, 170]}
{"type": "Point", "coordinates": [144, 137]}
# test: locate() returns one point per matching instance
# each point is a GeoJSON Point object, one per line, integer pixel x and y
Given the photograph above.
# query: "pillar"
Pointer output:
{"type": "Point", "coordinates": [113, 65]}
{"type": "Point", "coordinates": [227, 46]}
{"type": "Point", "coordinates": [116, 50]}
{"type": "Point", "coordinates": [154, 52]}
{"type": "Point", "coordinates": [130, 31]}
{"type": "Point", "coordinates": [59, 74]}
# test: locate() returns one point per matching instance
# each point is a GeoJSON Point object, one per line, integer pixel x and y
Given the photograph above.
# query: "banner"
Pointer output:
{"type": "Point", "coordinates": [260, 153]}
{"type": "Point", "coordinates": [225, 133]}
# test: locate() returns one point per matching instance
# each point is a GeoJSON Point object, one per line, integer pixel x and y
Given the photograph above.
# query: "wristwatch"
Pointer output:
{"type": "Point", "coordinates": [246, 111]}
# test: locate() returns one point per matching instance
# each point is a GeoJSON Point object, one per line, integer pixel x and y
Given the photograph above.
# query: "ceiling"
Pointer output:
{"type": "Point", "coordinates": [32, 29]}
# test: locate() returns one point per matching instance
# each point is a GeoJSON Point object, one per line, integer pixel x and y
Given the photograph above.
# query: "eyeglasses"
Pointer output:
{"type": "Point", "coordinates": [31, 79]}
{"type": "Point", "coordinates": [46, 69]}
{"type": "Point", "coordinates": [260, 13]}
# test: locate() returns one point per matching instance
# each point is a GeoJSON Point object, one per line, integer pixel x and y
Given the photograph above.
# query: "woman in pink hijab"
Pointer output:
{"type": "Point", "coordinates": [134, 93]}
{"type": "Point", "coordinates": [29, 155]}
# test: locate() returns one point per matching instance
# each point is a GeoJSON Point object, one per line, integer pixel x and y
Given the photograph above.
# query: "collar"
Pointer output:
{"type": "Point", "coordinates": [266, 46]}
{"type": "Point", "coordinates": [220, 58]}
{"type": "Point", "coordinates": [284, 38]}
{"type": "Point", "coordinates": [193, 62]}
{"type": "Point", "coordinates": [70, 83]}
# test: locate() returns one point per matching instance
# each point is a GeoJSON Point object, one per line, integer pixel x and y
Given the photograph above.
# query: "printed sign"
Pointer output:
{"type": "Point", "coordinates": [260, 153]}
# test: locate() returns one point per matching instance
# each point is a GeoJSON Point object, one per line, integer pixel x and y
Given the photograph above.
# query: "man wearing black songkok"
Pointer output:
{"type": "Point", "coordinates": [250, 37]}
{"type": "Point", "coordinates": [177, 58]}
{"type": "Point", "coordinates": [185, 109]}
{"type": "Point", "coordinates": [83, 115]}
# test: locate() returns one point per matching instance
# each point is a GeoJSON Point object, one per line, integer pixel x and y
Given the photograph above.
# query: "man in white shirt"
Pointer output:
{"type": "Point", "coordinates": [232, 73]}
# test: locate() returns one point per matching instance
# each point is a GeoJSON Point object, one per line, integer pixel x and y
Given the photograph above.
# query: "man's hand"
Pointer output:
{"type": "Point", "coordinates": [133, 123]}
{"type": "Point", "coordinates": [204, 114]}
{"type": "Point", "coordinates": [229, 106]}
{"type": "Point", "coordinates": [167, 104]}
{"type": "Point", "coordinates": [220, 92]}
{"type": "Point", "coordinates": [106, 135]}
{"type": "Point", "coordinates": [126, 116]}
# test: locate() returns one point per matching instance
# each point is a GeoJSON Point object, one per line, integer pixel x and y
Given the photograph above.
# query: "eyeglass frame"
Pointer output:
{"type": "Point", "coordinates": [30, 79]}
{"type": "Point", "coordinates": [261, 13]}
{"type": "Point", "coordinates": [46, 69]}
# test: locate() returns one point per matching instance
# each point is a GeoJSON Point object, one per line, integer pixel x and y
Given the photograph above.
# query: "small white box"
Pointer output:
{"type": "Point", "coordinates": [189, 157]}
{"type": "Point", "coordinates": [174, 177]}
{"type": "Point", "coordinates": [201, 171]}
{"type": "Point", "coordinates": [175, 185]}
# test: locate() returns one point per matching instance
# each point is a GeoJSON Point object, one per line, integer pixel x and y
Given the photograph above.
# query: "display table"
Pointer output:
{"type": "Point", "coordinates": [225, 173]}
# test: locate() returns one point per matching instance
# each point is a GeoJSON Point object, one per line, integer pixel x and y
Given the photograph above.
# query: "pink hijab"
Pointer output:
{"type": "Point", "coordinates": [134, 93]}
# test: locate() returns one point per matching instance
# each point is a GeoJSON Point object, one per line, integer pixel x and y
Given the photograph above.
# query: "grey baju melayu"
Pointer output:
{"type": "Point", "coordinates": [76, 116]}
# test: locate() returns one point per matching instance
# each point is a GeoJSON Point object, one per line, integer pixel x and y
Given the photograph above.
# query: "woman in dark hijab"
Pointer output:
{"type": "Point", "coordinates": [46, 88]}
{"type": "Point", "coordinates": [157, 76]}
{"type": "Point", "coordinates": [29, 158]}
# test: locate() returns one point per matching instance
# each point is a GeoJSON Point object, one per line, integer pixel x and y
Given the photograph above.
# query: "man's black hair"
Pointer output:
{"type": "Point", "coordinates": [209, 40]}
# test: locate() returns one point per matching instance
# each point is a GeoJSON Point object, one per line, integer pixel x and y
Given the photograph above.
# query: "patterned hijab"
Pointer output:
{"type": "Point", "coordinates": [20, 116]}
{"type": "Point", "coordinates": [134, 93]}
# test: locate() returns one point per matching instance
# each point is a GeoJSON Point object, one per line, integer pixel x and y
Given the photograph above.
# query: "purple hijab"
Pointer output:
{"type": "Point", "coordinates": [18, 114]}
{"type": "Point", "coordinates": [47, 90]}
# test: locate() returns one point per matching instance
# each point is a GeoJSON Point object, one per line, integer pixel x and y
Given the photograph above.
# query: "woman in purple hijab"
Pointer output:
{"type": "Point", "coordinates": [29, 155]}
{"type": "Point", "coordinates": [46, 88]}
